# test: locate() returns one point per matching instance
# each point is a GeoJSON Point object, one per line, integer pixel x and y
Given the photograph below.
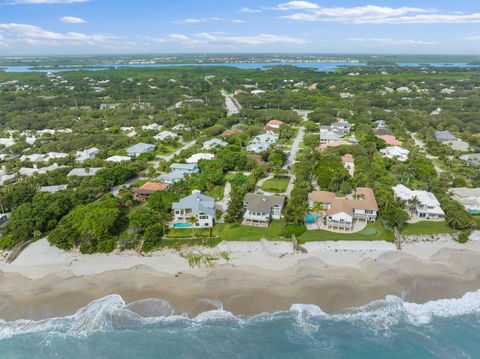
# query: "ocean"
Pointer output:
{"type": "Point", "coordinates": [390, 328]}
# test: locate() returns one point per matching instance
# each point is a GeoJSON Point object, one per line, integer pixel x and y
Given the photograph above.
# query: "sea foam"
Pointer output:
{"type": "Point", "coordinates": [112, 313]}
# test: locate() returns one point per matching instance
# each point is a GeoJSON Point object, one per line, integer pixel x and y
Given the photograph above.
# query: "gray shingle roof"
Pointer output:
{"type": "Point", "coordinates": [197, 202]}
{"type": "Point", "coordinates": [262, 203]}
{"type": "Point", "coordinates": [141, 148]}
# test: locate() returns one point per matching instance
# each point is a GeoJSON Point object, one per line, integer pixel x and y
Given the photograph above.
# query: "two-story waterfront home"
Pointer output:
{"type": "Point", "coordinates": [261, 209]}
{"type": "Point", "coordinates": [421, 204]}
{"type": "Point", "coordinates": [196, 210]}
{"type": "Point", "coordinates": [340, 213]}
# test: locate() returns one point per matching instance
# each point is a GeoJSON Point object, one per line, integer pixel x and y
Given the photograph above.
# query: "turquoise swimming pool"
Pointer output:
{"type": "Point", "coordinates": [311, 218]}
{"type": "Point", "coordinates": [182, 225]}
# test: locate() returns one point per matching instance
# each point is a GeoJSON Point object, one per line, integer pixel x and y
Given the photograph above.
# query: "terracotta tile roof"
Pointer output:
{"type": "Point", "coordinates": [391, 140]}
{"type": "Point", "coordinates": [274, 123]}
{"type": "Point", "coordinates": [151, 187]}
{"type": "Point", "coordinates": [227, 133]}
{"type": "Point", "coordinates": [335, 144]}
{"type": "Point", "coordinates": [348, 158]}
{"type": "Point", "coordinates": [322, 196]}
{"type": "Point", "coordinates": [365, 199]}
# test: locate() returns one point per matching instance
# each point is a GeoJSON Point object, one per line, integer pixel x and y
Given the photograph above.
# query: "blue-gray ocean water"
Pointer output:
{"type": "Point", "coordinates": [390, 328]}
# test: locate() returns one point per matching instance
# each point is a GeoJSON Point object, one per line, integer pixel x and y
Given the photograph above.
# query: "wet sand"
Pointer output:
{"type": "Point", "coordinates": [251, 282]}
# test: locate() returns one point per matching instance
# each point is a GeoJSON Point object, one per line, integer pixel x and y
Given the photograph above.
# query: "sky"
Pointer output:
{"type": "Point", "coordinates": [57, 27]}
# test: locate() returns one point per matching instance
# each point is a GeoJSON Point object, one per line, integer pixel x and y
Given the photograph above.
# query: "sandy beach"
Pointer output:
{"type": "Point", "coordinates": [257, 277]}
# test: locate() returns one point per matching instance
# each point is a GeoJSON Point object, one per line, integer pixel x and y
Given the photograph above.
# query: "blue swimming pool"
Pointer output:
{"type": "Point", "coordinates": [182, 225]}
{"type": "Point", "coordinates": [311, 218]}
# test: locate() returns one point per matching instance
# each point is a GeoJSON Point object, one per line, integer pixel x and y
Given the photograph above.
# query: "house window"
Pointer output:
{"type": "Point", "coordinates": [203, 216]}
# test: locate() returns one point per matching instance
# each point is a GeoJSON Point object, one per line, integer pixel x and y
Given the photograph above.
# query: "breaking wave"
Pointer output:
{"type": "Point", "coordinates": [111, 313]}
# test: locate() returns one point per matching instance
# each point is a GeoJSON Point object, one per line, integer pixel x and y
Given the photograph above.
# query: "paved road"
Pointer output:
{"type": "Point", "coordinates": [116, 190]}
{"type": "Point", "coordinates": [303, 113]}
{"type": "Point", "coordinates": [231, 103]}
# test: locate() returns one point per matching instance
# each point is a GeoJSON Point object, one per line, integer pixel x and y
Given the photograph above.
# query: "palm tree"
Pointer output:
{"type": "Point", "coordinates": [319, 207]}
{"type": "Point", "coordinates": [413, 204]}
{"type": "Point", "coordinates": [193, 220]}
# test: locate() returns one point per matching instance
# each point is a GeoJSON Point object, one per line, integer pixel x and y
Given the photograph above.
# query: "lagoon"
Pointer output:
{"type": "Point", "coordinates": [319, 66]}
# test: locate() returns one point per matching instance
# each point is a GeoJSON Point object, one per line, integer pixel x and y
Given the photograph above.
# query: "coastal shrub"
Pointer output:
{"type": "Point", "coordinates": [93, 227]}
{"type": "Point", "coordinates": [152, 237]}
{"type": "Point", "coordinates": [293, 230]}
{"type": "Point", "coordinates": [6, 242]}
{"type": "Point", "coordinates": [464, 236]}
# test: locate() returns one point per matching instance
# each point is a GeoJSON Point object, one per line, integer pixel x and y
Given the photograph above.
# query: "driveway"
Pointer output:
{"type": "Point", "coordinates": [171, 156]}
{"type": "Point", "coordinates": [291, 159]}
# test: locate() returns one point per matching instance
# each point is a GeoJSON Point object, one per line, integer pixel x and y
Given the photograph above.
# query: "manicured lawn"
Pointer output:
{"type": "Point", "coordinates": [187, 232]}
{"type": "Point", "coordinates": [427, 227]}
{"type": "Point", "coordinates": [276, 185]}
{"type": "Point", "coordinates": [237, 232]}
{"type": "Point", "coordinates": [373, 232]}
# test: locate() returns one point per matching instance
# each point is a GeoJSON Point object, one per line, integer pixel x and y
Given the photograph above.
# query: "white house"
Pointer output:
{"type": "Point", "coordinates": [83, 172]}
{"type": "Point", "coordinates": [198, 206]}
{"type": "Point", "coordinates": [421, 204]}
{"type": "Point", "coordinates": [200, 156]}
{"type": "Point", "coordinates": [261, 209]}
{"type": "Point", "coordinates": [472, 159]}
{"type": "Point", "coordinates": [26, 171]}
{"type": "Point", "coordinates": [214, 143]}
{"type": "Point", "coordinates": [140, 148]}
{"type": "Point", "coordinates": [6, 178]}
{"type": "Point", "coordinates": [165, 135]}
{"type": "Point", "coordinates": [181, 127]}
{"type": "Point", "coordinates": [86, 155]}
{"type": "Point", "coordinates": [262, 142]}
{"type": "Point", "coordinates": [172, 177]}
{"type": "Point", "coordinates": [184, 168]}
{"type": "Point", "coordinates": [39, 157]}
{"type": "Point", "coordinates": [118, 159]}
{"type": "Point", "coordinates": [7, 142]}
{"type": "Point", "coordinates": [395, 152]}
{"type": "Point", "coordinates": [328, 137]}
{"type": "Point", "coordinates": [53, 189]}
{"type": "Point", "coordinates": [468, 198]}
{"type": "Point", "coordinates": [152, 127]}
{"type": "Point", "coordinates": [342, 127]}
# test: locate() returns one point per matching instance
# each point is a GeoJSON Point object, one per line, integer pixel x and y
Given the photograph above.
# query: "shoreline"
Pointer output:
{"type": "Point", "coordinates": [45, 282]}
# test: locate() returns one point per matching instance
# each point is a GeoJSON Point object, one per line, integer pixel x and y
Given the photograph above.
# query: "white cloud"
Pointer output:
{"type": "Point", "coordinates": [371, 14]}
{"type": "Point", "coordinates": [72, 20]}
{"type": "Point", "coordinates": [191, 21]}
{"type": "Point", "coordinates": [238, 21]}
{"type": "Point", "coordinates": [473, 38]}
{"type": "Point", "coordinates": [249, 10]}
{"type": "Point", "coordinates": [206, 39]}
{"type": "Point", "coordinates": [298, 5]}
{"type": "Point", "coordinates": [198, 20]}
{"type": "Point", "coordinates": [14, 34]}
{"type": "Point", "coordinates": [388, 41]}
{"type": "Point", "coordinates": [38, 2]}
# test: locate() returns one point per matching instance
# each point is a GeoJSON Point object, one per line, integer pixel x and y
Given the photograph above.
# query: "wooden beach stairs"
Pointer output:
{"type": "Point", "coordinates": [17, 250]}
{"type": "Point", "coordinates": [297, 247]}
